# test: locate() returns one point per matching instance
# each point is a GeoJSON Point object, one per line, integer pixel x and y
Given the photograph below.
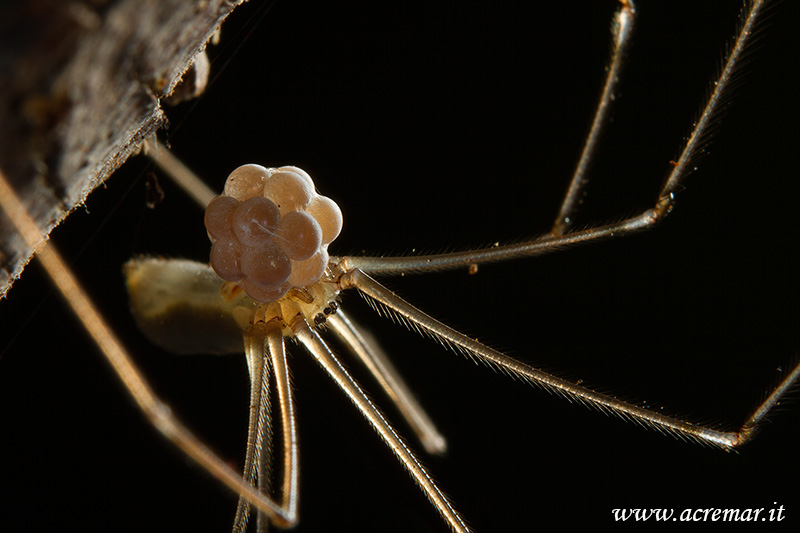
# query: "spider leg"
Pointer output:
{"type": "Point", "coordinates": [554, 241]}
{"type": "Point", "coordinates": [416, 319]}
{"type": "Point", "coordinates": [369, 352]}
{"type": "Point", "coordinates": [323, 355]}
{"type": "Point", "coordinates": [274, 346]}
{"type": "Point", "coordinates": [179, 173]}
{"type": "Point", "coordinates": [258, 457]}
{"type": "Point", "coordinates": [622, 29]}
{"type": "Point", "coordinates": [265, 352]}
{"type": "Point", "coordinates": [156, 411]}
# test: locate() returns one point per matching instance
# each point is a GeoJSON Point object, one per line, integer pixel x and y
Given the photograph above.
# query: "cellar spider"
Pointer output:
{"type": "Point", "coordinates": [629, 315]}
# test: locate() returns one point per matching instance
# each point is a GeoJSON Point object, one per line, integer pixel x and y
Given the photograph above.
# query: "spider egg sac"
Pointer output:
{"type": "Point", "coordinates": [270, 230]}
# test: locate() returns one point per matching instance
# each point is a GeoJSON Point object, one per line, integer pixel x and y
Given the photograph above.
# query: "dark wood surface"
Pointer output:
{"type": "Point", "coordinates": [80, 90]}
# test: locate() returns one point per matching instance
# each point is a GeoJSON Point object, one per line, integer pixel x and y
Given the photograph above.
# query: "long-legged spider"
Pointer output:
{"type": "Point", "coordinates": [705, 303]}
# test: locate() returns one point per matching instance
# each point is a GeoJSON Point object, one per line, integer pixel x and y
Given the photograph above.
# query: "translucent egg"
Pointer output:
{"type": "Point", "coordinates": [261, 294]}
{"type": "Point", "coordinates": [226, 260]}
{"type": "Point", "coordinates": [289, 190]}
{"type": "Point", "coordinates": [328, 215]}
{"type": "Point", "coordinates": [255, 221]}
{"type": "Point", "coordinates": [306, 272]}
{"type": "Point", "coordinates": [271, 230]}
{"type": "Point", "coordinates": [246, 182]}
{"type": "Point", "coordinates": [218, 217]}
{"type": "Point", "coordinates": [266, 265]}
{"type": "Point", "coordinates": [299, 235]}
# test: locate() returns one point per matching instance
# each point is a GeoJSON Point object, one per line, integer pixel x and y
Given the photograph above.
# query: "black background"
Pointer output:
{"type": "Point", "coordinates": [440, 126]}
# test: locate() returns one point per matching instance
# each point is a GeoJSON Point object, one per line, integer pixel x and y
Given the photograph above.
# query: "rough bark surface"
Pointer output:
{"type": "Point", "coordinates": [80, 89]}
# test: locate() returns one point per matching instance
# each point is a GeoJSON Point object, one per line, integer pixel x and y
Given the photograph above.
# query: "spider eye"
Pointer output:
{"type": "Point", "coordinates": [270, 230]}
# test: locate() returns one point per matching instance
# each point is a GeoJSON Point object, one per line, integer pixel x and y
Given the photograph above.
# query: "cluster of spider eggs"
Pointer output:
{"type": "Point", "coordinates": [270, 230]}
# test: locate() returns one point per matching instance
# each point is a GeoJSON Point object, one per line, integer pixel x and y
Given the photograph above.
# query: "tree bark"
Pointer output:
{"type": "Point", "coordinates": [80, 89]}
